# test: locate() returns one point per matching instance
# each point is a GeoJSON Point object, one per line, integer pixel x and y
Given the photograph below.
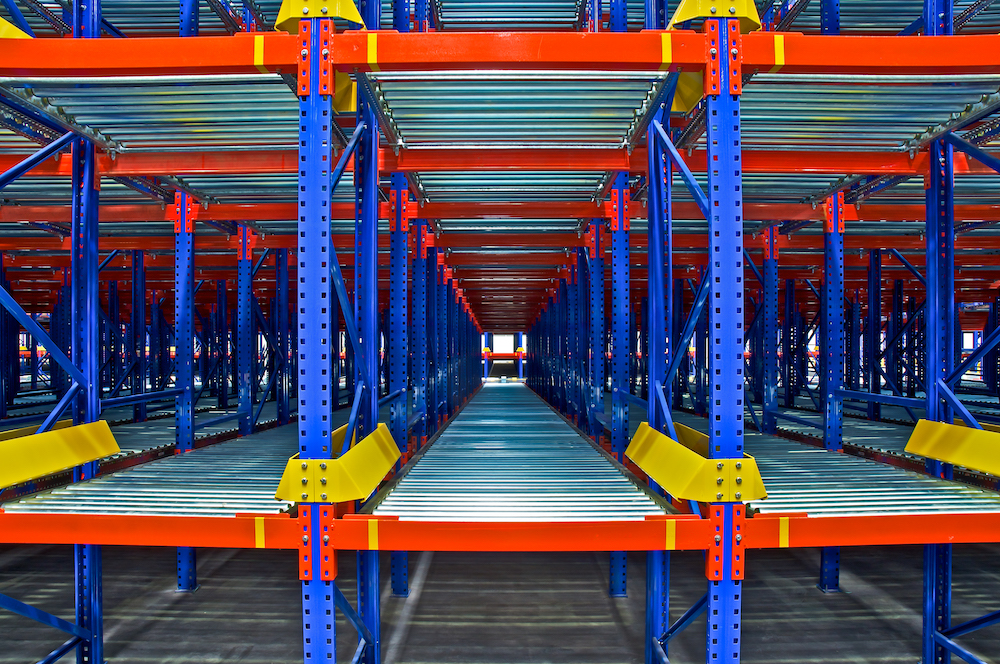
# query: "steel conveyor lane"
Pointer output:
{"type": "Point", "coordinates": [805, 479]}
{"type": "Point", "coordinates": [236, 477]}
{"type": "Point", "coordinates": [508, 457]}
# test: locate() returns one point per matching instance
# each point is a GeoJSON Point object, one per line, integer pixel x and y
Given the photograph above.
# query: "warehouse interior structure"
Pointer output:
{"type": "Point", "coordinates": [463, 305]}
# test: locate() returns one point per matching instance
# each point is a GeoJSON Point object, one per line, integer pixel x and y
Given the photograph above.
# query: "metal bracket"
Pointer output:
{"type": "Point", "coordinates": [188, 214]}
{"type": "Point", "coordinates": [831, 216]}
{"type": "Point", "coordinates": [715, 560]}
{"type": "Point", "coordinates": [327, 555]}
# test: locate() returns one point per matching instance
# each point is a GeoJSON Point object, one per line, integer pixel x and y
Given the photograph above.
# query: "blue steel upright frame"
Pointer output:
{"type": "Point", "coordinates": [832, 376]}
{"type": "Point", "coordinates": [399, 333]}
{"type": "Point", "coordinates": [314, 297]}
{"type": "Point", "coordinates": [658, 316]}
{"type": "Point", "coordinates": [940, 347]}
{"type": "Point", "coordinates": [621, 334]}
{"type": "Point", "coordinates": [597, 347]}
{"type": "Point", "coordinates": [245, 375]}
{"type": "Point", "coordinates": [88, 559]}
{"type": "Point", "coordinates": [184, 215]}
{"type": "Point", "coordinates": [366, 176]}
{"type": "Point", "coordinates": [770, 329]}
{"type": "Point", "coordinates": [725, 560]}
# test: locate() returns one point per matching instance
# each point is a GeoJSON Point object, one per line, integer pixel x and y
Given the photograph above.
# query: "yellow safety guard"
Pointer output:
{"type": "Point", "coordinates": [958, 445]}
{"type": "Point", "coordinates": [292, 11]}
{"type": "Point", "coordinates": [32, 456]}
{"type": "Point", "coordinates": [10, 31]}
{"type": "Point", "coordinates": [688, 475]}
{"type": "Point", "coordinates": [353, 476]}
{"type": "Point", "coordinates": [745, 10]}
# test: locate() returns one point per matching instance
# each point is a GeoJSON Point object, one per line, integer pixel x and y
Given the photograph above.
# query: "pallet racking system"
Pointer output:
{"type": "Point", "coordinates": [515, 170]}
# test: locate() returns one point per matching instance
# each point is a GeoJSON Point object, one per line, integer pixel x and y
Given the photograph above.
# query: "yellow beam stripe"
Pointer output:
{"type": "Point", "coordinates": [666, 51]}
{"type": "Point", "coordinates": [258, 532]}
{"type": "Point", "coordinates": [783, 532]}
{"type": "Point", "coordinates": [373, 51]}
{"type": "Point", "coordinates": [779, 53]}
{"type": "Point", "coordinates": [671, 542]}
{"type": "Point", "coordinates": [258, 54]}
{"type": "Point", "coordinates": [372, 534]}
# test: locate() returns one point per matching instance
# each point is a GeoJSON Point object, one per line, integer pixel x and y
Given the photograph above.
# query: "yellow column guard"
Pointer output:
{"type": "Point", "coordinates": [292, 10]}
{"type": "Point", "coordinates": [37, 455]}
{"type": "Point", "coordinates": [353, 476]}
{"type": "Point", "coordinates": [745, 10]}
{"type": "Point", "coordinates": [688, 475]}
{"type": "Point", "coordinates": [10, 31]}
{"type": "Point", "coordinates": [959, 445]}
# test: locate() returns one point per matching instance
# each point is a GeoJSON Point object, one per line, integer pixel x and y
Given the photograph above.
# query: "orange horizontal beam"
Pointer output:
{"type": "Point", "coordinates": [495, 159]}
{"type": "Point", "coordinates": [247, 53]}
{"type": "Point", "coordinates": [151, 56]}
{"type": "Point", "coordinates": [763, 532]}
{"type": "Point", "coordinates": [352, 532]}
{"type": "Point", "coordinates": [279, 532]}
{"type": "Point", "coordinates": [643, 51]}
{"type": "Point", "coordinates": [767, 212]}
{"type": "Point", "coordinates": [840, 54]}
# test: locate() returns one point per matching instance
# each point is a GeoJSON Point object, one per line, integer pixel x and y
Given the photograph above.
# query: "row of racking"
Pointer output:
{"type": "Point", "coordinates": [708, 213]}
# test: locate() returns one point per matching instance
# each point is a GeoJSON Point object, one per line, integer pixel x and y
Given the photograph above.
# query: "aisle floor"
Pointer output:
{"type": "Point", "coordinates": [494, 608]}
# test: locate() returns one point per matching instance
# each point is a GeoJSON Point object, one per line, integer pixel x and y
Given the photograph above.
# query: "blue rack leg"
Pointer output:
{"type": "Point", "coordinates": [400, 573]}
{"type": "Point", "coordinates": [84, 310]}
{"type": "Point", "coordinates": [244, 331]}
{"type": "Point", "coordinates": [621, 320]}
{"type": "Point", "coordinates": [726, 340]}
{"type": "Point", "coordinates": [369, 602]}
{"type": "Point", "coordinates": [829, 569]}
{"type": "Point", "coordinates": [770, 329]}
{"type": "Point", "coordinates": [937, 601]}
{"type": "Point", "coordinates": [184, 317]}
{"type": "Point", "coordinates": [313, 297]}
{"type": "Point", "coordinates": [619, 575]}
{"type": "Point", "coordinates": [138, 340]}
{"type": "Point", "coordinates": [187, 572]}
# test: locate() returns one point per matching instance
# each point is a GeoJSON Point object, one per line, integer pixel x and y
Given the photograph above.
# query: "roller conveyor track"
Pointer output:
{"type": "Point", "coordinates": [802, 478]}
{"type": "Point", "coordinates": [229, 478]}
{"type": "Point", "coordinates": [508, 457]}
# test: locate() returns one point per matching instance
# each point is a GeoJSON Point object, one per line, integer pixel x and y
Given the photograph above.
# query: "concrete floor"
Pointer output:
{"type": "Point", "coordinates": [495, 608]}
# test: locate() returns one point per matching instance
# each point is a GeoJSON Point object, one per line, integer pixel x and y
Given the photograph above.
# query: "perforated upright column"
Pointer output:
{"type": "Point", "coordinates": [314, 300]}
{"type": "Point", "coordinates": [726, 307]}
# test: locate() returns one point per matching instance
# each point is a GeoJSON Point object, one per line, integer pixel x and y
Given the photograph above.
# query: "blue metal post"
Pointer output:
{"type": "Point", "coordinates": [621, 320]}
{"type": "Point", "coordinates": [832, 305]}
{"type": "Point", "coordinates": [832, 377]}
{"type": "Point", "coordinates": [418, 330]}
{"type": "Point", "coordinates": [138, 325]}
{"type": "Point", "coordinates": [399, 333]}
{"type": "Point", "coordinates": [441, 321]}
{"type": "Point", "coordinates": [829, 17]}
{"type": "Point", "coordinates": [85, 317]}
{"type": "Point", "coordinates": [366, 177]}
{"type": "Point", "coordinates": [788, 344]}
{"type": "Point", "coordinates": [725, 559]}
{"type": "Point", "coordinates": [657, 319]}
{"type": "Point", "coordinates": [940, 343]}
{"type": "Point", "coordinates": [244, 331]}
{"type": "Point", "coordinates": [184, 212]}
{"type": "Point", "coordinates": [222, 327]}
{"type": "Point", "coordinates": [314, 297]}
{"type": "Point", "coordinates": [873, 331]}
{"type": "Point", "coordinates": [282, 365]}
{"type": "Point", "coordinates": [770, 327]}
